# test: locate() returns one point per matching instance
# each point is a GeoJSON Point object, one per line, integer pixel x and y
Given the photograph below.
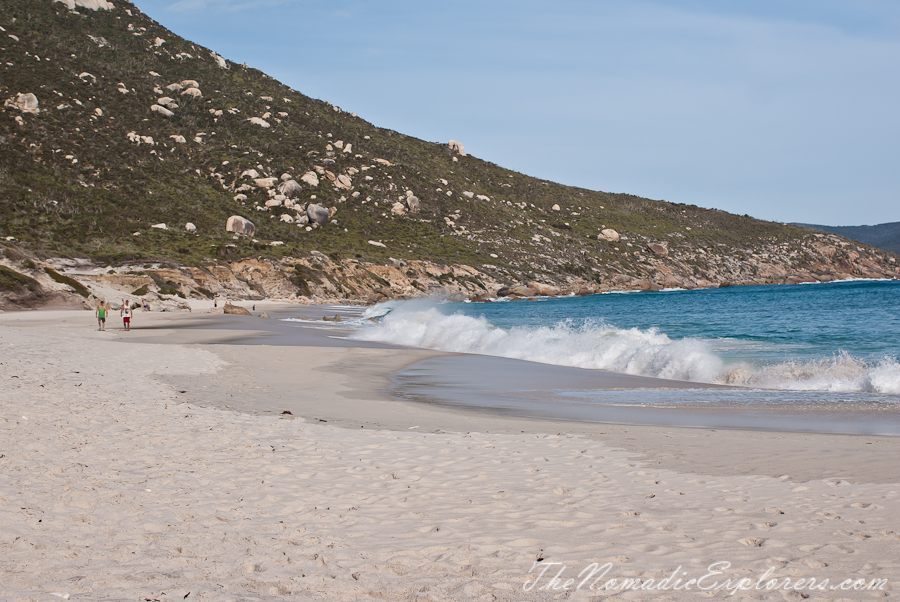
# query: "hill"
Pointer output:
{"type": "Point", "coordinates": [882, 236]}
{"type": "Point", "coordinates": [125, 149]}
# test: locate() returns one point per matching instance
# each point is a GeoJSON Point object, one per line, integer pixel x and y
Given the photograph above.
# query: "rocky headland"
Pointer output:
{"type": "Point", "coordinates": [134, 162]}
{"type": "Point", "coordinates": [29, 281]}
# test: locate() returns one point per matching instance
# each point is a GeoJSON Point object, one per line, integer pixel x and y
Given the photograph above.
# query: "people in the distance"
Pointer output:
{"type": "Point", "coordinates": [126, 314]}
{"type": "Point", "coordinates": [101, 316]}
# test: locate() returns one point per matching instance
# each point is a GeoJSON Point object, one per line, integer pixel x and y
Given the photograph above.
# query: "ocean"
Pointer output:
{"type": "Point", "coordinates": [817, 357]}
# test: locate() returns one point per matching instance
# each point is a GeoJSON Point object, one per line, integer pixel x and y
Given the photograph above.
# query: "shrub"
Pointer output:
{"type": "Point", "coordinates": [13, 281]}
{"type": "Point", "coordinates": [79, 288]}
{"type": "Point", "coordinates": [302, 276]}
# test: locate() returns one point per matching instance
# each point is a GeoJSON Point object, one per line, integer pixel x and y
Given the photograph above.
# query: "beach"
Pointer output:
{"type": "Point", "coordinates": [158, 464]}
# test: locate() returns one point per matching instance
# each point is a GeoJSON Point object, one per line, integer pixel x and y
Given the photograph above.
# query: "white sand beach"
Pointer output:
{"type": "Point", "coordinates": [152, 465]}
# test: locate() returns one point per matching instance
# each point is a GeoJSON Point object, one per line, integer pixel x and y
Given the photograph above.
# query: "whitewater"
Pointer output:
{"type": "Point", "coordinates": [842, 338]}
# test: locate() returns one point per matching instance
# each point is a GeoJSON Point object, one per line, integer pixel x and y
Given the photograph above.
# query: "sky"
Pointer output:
{"type": "Point", "coordinates": [785, 110]}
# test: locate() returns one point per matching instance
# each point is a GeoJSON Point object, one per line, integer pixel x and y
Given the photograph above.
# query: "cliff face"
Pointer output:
{"type": "Point", "coordinates": [321, 279]}
{"type": "Point", "coordinates": [125, 147]}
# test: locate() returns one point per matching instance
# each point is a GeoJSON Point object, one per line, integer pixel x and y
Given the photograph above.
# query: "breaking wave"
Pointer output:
{"type": "Point", "coordinates": [841, 373]}
{"type": "Point", "coordinates": [600, 346]}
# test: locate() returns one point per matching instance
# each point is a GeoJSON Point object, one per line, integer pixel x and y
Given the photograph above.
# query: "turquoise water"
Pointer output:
{"type": "Point", "coordinates": [820, 358]}
{"type": "Point", "coordinates": [760, 324]}
{"type": "Point", "coordinates": [839, 337]}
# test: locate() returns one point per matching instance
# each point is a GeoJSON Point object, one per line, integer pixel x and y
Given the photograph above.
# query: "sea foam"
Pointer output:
{"type": "Point", "coordinates": [600, 346]}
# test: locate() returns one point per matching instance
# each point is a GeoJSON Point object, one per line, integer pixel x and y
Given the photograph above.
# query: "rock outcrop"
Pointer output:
{"type": "Point", "coordinates": [457, 147]}
{"type": "Point", "coordinates": [220, 61]}
{"type": "Point", "coordinates": [544, 290]}
{"type": "Point", "coordinates": [240, 225]}
{"type": "Point", "coordinates": [265, 182]}
{"type": "Point", "coordinates": [93, 5]}
{"type": "Point", "coordinates": [27, 103]}
{"type": "Point", "coordinates": [659, 249]}
{"type": "Point", "coordinates": [290, 189]}
{"type": "Point", "coordinates": [520, 290]}
{"type": "Point", "coordinates": [608, 234]}
{"type": "Point", "coordinates": [161, 110]}
{"type": "Point", "coordinates": [317, 213]}
{"type": "Point", "coordinates": [236, 310]}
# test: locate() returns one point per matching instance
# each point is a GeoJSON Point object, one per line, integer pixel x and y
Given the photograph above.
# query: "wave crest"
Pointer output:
{"type": "Point", "coordinates": [842, 373]}
{"type": "Point", "coordinates": [600, 346]}
{"type": "Point", "coordinates": [592, 345]}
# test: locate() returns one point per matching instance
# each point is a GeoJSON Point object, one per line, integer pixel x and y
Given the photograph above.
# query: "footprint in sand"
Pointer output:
{"type": "Point", "coordinates": [756, 542]}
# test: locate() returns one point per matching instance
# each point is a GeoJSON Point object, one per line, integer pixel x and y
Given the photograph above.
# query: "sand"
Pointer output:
{"type": "Point", "coordinates": [154, 465]}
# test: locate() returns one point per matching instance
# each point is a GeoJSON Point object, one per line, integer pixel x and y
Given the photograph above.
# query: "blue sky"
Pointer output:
{"type": "Point", "coordinates": [785, 110]}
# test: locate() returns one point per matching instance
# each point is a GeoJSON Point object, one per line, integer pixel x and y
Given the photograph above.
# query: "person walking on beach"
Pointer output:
{"type": "Point", "coordinates": [215, 304]}
{"type": "Point", "coordinates": [126, 314]}
{"type": "Point", "coordinates": [101, 316]}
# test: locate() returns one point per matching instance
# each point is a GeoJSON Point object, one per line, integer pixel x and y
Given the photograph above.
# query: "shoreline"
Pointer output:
{"type": "Point", "coordinates": [117, 483]}
{"type": "Point", "coordinates": [354, 377]}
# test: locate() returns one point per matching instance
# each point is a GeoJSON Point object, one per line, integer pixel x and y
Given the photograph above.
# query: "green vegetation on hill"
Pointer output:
{"type": "Point", "coordinates": [76, 286]}
{"type": "Point", "coordinates": [93, 171]}
{"type": "Point", "coordinates": [13, 281]}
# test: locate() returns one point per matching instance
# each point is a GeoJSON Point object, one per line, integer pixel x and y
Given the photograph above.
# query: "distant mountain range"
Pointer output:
{"type": "Point", "coordinates": [882, 236]}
